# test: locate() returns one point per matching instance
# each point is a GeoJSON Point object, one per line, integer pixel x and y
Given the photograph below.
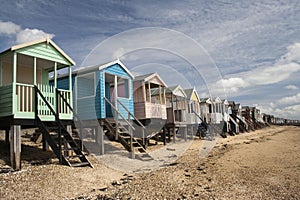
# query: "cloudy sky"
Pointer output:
{"type": "Point", "coordinates": [248, 51]}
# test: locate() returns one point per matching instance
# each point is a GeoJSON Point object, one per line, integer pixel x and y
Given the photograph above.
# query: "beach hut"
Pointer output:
{"type": "Point", "coordinates": [226, 117]}
{"type": "Point", "coordinates": [257, 118]}
{"type": "Point", "coordinates": [193, 114]}
{"type": "Point", "coordinates": [27, 99]}
{"type": "Point", "coordinates": [150, 103]}
{"type": "Point", "coordinates": [205, 109]}
{"type": "Point", "coordinates": [233, 120]}
{"type": "Point", "coordinates": [247, 116]}
{"type": "Point", "coordinates": [216, 114]}
{"type": "Point", "coordinates": [103, 99]}
{"type": "Point", "coordinates": [176, 111]}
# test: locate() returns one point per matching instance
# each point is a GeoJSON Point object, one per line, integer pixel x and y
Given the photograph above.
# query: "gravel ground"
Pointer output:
{"type": "Point", "coordinates": [264, 164]}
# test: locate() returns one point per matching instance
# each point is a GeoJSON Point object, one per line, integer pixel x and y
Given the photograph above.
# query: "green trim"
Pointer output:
{"type": "Point", "coordinates": [14, 71]}
{"type": "Point", "coordinates": [47, 118]}
{"type": "Point", "coordinates": [24, 115]}
{"type": "Point", "coordinates": [65, 116]}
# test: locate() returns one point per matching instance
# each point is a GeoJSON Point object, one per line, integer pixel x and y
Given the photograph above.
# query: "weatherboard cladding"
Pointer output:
{"type": "Point", "coordinates": [6, 100]}
{"type": "Point", "coordinates": [117, 70]}
{"type": "Point", "coordinates": [44, 51]}
{"type": "Point", "coordinates": [93, 107]}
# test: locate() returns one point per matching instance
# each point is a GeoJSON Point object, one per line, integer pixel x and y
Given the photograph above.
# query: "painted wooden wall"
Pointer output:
{"type": "Point", "coordinates": [93, 106]}
{"type": "Point", "coordinates": [44, 51]}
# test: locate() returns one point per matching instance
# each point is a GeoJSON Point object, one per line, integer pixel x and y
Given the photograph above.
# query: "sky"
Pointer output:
{"type": "Point", "coordinates": [246, 51]}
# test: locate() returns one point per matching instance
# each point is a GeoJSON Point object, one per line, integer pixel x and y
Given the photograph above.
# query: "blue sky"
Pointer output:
{"type": "Point", "coordinates": [255, 45]}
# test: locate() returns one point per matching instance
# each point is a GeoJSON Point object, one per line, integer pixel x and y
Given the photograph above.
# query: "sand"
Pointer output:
{"type": "Point", "coordinates": [264, 164]}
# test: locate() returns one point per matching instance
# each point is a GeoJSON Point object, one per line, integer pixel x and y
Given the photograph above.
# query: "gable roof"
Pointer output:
{"type": "Point", "coordinates": [189, 93]}
{"type": "Point", "coordinates": [103, 66]}
{"type": "Point", "coordinates": [176, 90]}
{"type": "Point", "coordinates": [45, 40]}
{"type": "Point", "coordinates": [148, 77]}
{"type": "Point", "coordinates": [224, 101]}
{"type": "Point", "coordinates": [205, 100]}
{"type": "Point", "coordinates": [217, 100]}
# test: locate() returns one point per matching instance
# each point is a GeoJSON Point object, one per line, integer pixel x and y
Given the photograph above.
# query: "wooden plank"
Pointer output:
{"type": "Point", "coordinates": [15, 147]}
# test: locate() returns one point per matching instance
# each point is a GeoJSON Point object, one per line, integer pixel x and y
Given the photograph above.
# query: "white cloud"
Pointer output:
{"type": "Point", "coordinates": [232, 85]}
{"type": "Point", "coordinates": [22, 35]}
{"type": "Point", "coordinates": [265, 75]}
{"type": "Point", "coordinates": [289, 100]}
{"type": "Point", "coordinates": [28, 35]}
{"type": "Point", "coordinates": [293, 54]}
{"type": "Point", "coordinates": [272, 74]}
{"type": "Point", "coordinates": [288, 112]}
{"type": "Point", "coordinates": [291, 87]}
{"type": "Point", "coordinates": [9, 28]}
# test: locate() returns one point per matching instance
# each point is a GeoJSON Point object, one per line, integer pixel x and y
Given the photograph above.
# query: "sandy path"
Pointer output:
{"type": "Point", "coordinates": [264, 164]}
{"type": "Point", "coordinates": [260, 165]}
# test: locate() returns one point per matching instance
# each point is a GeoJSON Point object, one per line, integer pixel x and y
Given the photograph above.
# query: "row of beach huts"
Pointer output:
{"type": "Point", "coordinates": [108, 101]}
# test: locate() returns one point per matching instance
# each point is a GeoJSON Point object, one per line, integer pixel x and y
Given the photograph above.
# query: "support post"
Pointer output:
{"type": "Point", "coordinates": [164, 93]}
{"type": "Point", "coordinates": [45, 144]}
{"type": "Point", "coordinates": [193, 130]}
{"type": "Point", "coordinates": [66, 145]}
{"type": "Point", "coordinates": [55, 75]}
{"type": "Point", "coordinates": [173, 110]}
{"type": "Point", "coordinates": [185, 133]}
{"type": "Point", "coordinates": [174, 134]}
{"type": "Point", "coordinates": [34, 70]}
{"type": "Point", "coordinates": [15, 147]}
{"type": "Point", "coordinates": [164, 136]}
{"type": "Point", "coordinates": [70, 87]}
{"type": "Point", "coordinates": [131, 143]}
{"type": "Point", "coordinates": [144, 92]}
{"type": "Point", "coordinates": [116, 106]}
{"type": "Point", "coordinates": [14, 81]}
{"type": "Point", "coordinates": [7, 136]}
{"type": "Point", "coordinates": [149, 89]}
{"type": "Point", "coordinates": [160, 95]}
{"type": "Point", "coordinates": [100, 139]}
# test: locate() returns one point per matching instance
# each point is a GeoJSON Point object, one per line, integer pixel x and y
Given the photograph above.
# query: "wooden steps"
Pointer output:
{"type": "Point", "coordinates": [63, 145]}
{"type": "Point", "coordinates": [120, 132]}
{"type": "Point", "coordinates": [60, 137]}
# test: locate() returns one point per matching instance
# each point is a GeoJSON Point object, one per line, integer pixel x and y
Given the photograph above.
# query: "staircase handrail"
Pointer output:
{"type": "Point", "coordinates": [45, 100]}
{"type": "Point", "coordinates": [235, 123]}
{"type": "Point", "coordinates": [69, 106]}
{"type": "Point", "coordinates": [129, 124]}
{"type": "Point", "coordinates": [244, 121]}
{"type": "Point", "coordinates": [206, 124]}
{"type": "Point", "coordinates": [200, 118]}
{"type": "Point", "coordinates": [132, 115]}
{"type": "Point", "coordinates": [38, 92]}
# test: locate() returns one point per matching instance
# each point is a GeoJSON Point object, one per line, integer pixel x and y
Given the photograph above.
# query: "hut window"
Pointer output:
{"type": "Point", "coordinates": [123, 88]}
{"type": "Point", "coordinates": [86, 85]}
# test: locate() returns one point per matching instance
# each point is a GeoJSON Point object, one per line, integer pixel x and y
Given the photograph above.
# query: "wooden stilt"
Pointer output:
{"type": "Point", "coordinates": [66, 152]}
{"type": "Point", "coordinates": [100, 139]}
{"type": "Point", "coordinates": [164, 136]}
{"type": "Point", "coordinates": [174, 134]}
{"type": "Point", "coordinates": [185, 133]}
{"type": "Point", "coordinates": [15, 147]}
{"type": "Point", "coordinates": [45, 144]}
{"type": "Point", "coordinates": [7, 136]}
